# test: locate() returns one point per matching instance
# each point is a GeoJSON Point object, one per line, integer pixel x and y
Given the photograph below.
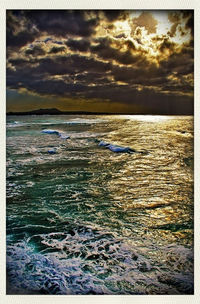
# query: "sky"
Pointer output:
{"type": "Point", "coordinates": [114, 61]}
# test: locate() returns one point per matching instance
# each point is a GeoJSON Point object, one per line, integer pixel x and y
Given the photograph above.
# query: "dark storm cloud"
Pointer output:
{"type": "Point", "coordinates": [151, 75]}
{"type": "Point", "coordinates": [25, 26]}
{"type": "Point", "coordinates": [37, 50]}
{"type": "Point", "coordinates": [64, 87]}
{"type": "Point", "coordinates": [57, 88]}
{"type": "Point", "coordinates": [71, 64]}
{"type": "Point", "coordinates": [19, 31]}
{"type": "Point", "coordinates": [20, 63]}
{"type": "Point", "coordinates": [130, 44]}
{"type": "Point", "coordinates": [177, 17]}
{"type": "Point", "coordinates": [190, 24]}
{"type": "Point", "coordinates": [57, 42]}
{"type": "Point", "coordinates": [20, 40]}
{"type": "Point", "coordinates": [120, 36]}
{"type": "Point", "coordinates": [78, 45]}
{"type": "Point", "coordinates": [148, 99]}
{"type": "Point", "coordinates": [182, 65]}
{"type": "Point", "coordinates": [167, 45]}
{"type": "Point", "coordinates": [62, 23]}
{"type": "Point", "coordinates": [57, 53]}
{"type": "Point", "coordinates": [56, 66]}
{"type": "Point", "coordinates": [105, 51]}
{"type": "Point", "coordinates": [75, 66]}
{"type": "Point", "coordinates": [113, 15]}
{"type": "Point", "coordinates": [92, 77]}
{"type": "Point", "coordinates": [177, 88]}
{"type": "Point", "coordinates": [56, 49]}
{"type": "Point", "coordinates": [174, 18]}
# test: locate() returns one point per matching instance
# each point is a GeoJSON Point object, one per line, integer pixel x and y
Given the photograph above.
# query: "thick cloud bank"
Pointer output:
{"type": "Point", "coordinates": [142, 60]}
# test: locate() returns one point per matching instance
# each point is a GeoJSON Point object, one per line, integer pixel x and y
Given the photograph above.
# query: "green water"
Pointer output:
{"type": "Point", "coordinates": [86, 220]}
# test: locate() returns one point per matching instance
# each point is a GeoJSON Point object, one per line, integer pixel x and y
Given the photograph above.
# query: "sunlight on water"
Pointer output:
{"type": "Point", "coordinates": [146, 118]}
{"type": "Point", "coordinates": [87, 220]}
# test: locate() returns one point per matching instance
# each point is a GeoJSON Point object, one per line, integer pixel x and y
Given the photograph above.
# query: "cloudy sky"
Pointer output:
{"type": "Point", "coordinates": [105, 61]}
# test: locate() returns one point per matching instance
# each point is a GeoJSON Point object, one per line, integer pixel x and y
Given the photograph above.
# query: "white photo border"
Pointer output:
{"type": "Point", "coordinates": [99, 5]}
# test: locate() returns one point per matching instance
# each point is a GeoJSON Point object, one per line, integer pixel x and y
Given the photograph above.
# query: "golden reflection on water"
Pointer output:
{"type": "Point", "coordinates": [155, 189]}
{"type": "Point", "coordinates": [130, 215]}
{"type": "Point", "coordinates": [146, 118]}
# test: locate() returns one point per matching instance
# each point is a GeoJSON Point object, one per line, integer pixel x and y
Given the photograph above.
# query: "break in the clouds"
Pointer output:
{"type": "Point", "coordinates": [107, 61]}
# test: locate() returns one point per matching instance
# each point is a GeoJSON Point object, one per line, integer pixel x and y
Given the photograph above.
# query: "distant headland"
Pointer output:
{"type": "Point", "coordinates": [54, 111]}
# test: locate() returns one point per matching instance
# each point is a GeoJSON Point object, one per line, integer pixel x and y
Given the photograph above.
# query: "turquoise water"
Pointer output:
{"type": "Point", "coordinates": [86, 220]}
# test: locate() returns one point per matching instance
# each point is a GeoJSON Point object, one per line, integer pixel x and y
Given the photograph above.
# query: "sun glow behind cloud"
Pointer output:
{"type": "Point", "coordinates": [123, 28]}
{"type": "Point", "coordinates": [164, 25]}
{"type": "Point", "coordinates": [133, 58]}
{"type": "Point", "coordinates": [150, 42]}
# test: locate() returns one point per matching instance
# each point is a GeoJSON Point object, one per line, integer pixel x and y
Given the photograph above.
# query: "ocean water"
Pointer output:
{"type": "Point", "coordinates": [86, 220]}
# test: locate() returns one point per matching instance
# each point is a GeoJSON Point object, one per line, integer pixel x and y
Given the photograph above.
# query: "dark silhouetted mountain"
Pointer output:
{"type": "Point", "coordinates": [54, 111]}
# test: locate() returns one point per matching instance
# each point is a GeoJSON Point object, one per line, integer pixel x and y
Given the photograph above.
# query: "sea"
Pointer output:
{"type": "Point", "coordinates": [82, 219]}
